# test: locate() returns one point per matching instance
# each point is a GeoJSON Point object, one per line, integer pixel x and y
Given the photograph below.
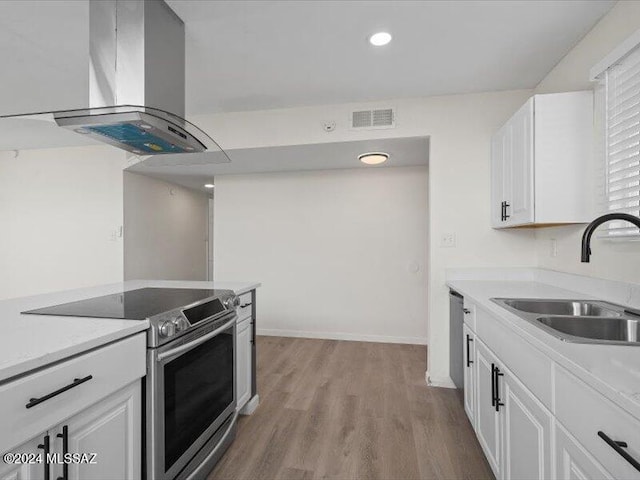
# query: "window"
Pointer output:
{"type": "Point", "coordinates": [621, 182]}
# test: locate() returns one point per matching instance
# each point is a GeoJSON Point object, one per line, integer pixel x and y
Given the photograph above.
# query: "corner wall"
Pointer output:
{"type": "Point", "coordinates": [165, 230]}
{"type": "Point", "coordinates": [615, 260]}
{"type": "Point", "coordinates": [61, 213]}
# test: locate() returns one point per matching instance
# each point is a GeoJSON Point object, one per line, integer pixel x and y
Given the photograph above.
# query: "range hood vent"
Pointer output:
{"type": "Point", "coordinates": [137, 85]}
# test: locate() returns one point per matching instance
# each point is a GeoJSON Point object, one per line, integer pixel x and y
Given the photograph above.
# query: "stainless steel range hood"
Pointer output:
{"type": "Point", "coordinates": [137, 85]}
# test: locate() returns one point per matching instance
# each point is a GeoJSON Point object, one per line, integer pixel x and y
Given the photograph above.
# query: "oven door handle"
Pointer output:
{"type": "Point", "coordinates": [188, 346]}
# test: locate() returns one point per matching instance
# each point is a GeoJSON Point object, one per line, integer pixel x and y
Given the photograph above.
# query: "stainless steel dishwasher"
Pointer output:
{"type": "Point", "coordinates": [456, 319]}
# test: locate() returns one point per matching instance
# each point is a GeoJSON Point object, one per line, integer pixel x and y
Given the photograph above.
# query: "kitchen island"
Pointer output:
{"type": "Point", "coordinates": [68, 384]}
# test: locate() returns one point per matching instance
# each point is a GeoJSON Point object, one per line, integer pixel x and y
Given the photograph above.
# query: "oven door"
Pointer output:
{"type": "Point", "coordinates": [191, 391]}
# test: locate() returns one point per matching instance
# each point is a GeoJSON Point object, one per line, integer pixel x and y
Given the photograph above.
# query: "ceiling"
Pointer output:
{"type": "Point", "coordinates": [252, 55]}
{"type": "Point", "coordinates": [266, 54]}
{"type": "Point", "coordinates": [403, 152]}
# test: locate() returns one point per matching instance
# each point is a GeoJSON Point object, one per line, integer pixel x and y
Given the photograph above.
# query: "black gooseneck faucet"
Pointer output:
{"type": "Point", "coordinates": [586, 236]}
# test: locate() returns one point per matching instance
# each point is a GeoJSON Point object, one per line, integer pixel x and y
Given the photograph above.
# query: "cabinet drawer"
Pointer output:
{"type": "Point", "coordinates": [110, 367]}
{"type": "Point", "coordinates": [469, 309]}
{"type": "Point", "coordinates": [532, 367]}
{"type": "Point", "coordinates": [243, 324]}
{"type": "Point", "coordinates": [584, 412]}
{"type": "Point", "coordinates": [245, 310]}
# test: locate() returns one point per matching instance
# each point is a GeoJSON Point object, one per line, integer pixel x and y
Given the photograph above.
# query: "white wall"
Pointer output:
{"type": "Point", "coordinates": [460, 129]}
{"type": "Point", "coordinates": [165, 230]}
{"type": "Point", "coordinates": [611, 259]}
{"type": "Point", "coordinates": [341, 253]}
{"type": "Point", "coordinates": [59, 211]}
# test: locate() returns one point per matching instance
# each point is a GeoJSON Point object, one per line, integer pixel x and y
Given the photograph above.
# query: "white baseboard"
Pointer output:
{"type": "Point", "coordinates": [443, 382]}
{"type": "Point", "coordinates": [357, 337]}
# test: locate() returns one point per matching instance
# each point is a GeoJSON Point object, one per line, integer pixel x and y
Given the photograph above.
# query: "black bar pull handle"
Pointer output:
{"type": "Point", "coordinates": [506, 205]}
{"type": "Point", "coordinates": [498, 402]}
{"type": "Point", "coordinates": [76, 381]}
{"type": "Point", "coordinates": [493, 385]}
{"type": "Point", "coordinates": [45, 446]}
{"type": "Point", "coordinates": [502, 212]}
{"type": "Point", "coordinates": [466, 311]}
{"type": "Point", "coordinates": [619, 448]}
{"type": "Point", "coordinates": [245, 305]}
{"type": "Point", "coordinates": [469, 361]}
{"type": "Point", "coordinates": [65, 449]}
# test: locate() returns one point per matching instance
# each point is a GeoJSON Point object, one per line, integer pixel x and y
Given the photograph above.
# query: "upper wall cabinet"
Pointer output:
{"type": "Point", "coordinates": [541, 163]}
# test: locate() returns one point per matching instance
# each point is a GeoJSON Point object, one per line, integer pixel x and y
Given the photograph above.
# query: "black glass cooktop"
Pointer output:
{"type": "Point", "coordinates": [132, 305]}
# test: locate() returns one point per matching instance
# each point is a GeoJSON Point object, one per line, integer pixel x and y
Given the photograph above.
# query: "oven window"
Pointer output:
{"type": "Point", "coordinates": [198, 387]}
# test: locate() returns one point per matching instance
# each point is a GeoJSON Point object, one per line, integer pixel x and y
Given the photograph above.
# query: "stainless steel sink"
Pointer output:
{"type": "Point", "coordinates": [578, 321]}
{"type": "Point", "coordinates": [580, 308]}
{"type": "Point", "coordinates": [596, 328]}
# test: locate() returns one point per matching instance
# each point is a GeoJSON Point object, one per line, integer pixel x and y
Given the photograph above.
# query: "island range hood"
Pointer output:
{"type": "Point", "coordinates": [137, 85]}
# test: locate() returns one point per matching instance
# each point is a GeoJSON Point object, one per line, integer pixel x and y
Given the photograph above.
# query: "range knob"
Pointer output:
{"type": "Point", "coordinates": [167, 329]}
{"type": "Point", "coordinates": [232, 302]}
{"type": "Point", "coordinates": [180, 324]}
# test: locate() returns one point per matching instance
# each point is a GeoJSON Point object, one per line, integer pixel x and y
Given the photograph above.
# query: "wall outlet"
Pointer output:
{"type": "Point", "coordinates": [448, 240]}
{"type": "Point", "coordinates": [553, 251]}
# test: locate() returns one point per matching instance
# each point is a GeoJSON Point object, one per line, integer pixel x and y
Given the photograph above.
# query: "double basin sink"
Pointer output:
{"type": "Point", "coordinates": [579, 321]}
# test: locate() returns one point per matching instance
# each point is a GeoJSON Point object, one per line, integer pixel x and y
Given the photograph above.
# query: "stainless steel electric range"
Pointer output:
{"type": "Point", "coordinates": [190, 386]}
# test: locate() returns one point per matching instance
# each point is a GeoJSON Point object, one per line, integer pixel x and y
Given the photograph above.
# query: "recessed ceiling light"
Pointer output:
{"type": "Point", "coordinates": [379, 39]}
{"type": "Point", "coordinates": [373, 158]}
{"type": "Point", "coordinates": [208, 185]}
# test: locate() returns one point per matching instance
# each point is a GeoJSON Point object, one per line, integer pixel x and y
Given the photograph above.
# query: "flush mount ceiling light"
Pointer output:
{"type": "Point", "coordinates": [208, 185]}
{"type": "Point", "coordinates": [373, 158]}
{"type": "Point", "coordinates": [380, 38]}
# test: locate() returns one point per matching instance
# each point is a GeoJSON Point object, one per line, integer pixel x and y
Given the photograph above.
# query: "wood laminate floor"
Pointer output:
{"type": "Point", "coordinates": [350, 410]}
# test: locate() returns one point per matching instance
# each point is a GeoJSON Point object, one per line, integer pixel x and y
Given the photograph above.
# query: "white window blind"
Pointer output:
{"type": "Point", "coordinates": [622, 143]}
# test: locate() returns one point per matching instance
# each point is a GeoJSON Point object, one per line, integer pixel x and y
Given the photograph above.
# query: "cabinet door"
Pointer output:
{"type": "Point", "coordinates": [243, 363]}
{"type": "Point", "coordinates": [26, 471]}
{"type": "Point", "coordinates": [469, 355]}
{"type": "Point", "coordinates": [498, 157]}
{"type": "Point", "coordinates": [526, 432]}
{"type": "Point", "coordinates": [111, 430]}
{"type": "Point", "coordinates": [519, 171]}
{"type": "Point", "coordinates": [487, 418]}
{"type": "Point", "coordinates": [573, 462]}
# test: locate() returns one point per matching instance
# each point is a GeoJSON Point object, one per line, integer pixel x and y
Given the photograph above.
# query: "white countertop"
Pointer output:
{"type": "Point", "coordinates": [613, 370]}
{"type": "Point", "coordinates": [29, 342]}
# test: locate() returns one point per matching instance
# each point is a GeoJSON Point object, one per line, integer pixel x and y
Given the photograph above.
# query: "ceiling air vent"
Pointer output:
{"type": "Point", "coordinates": [373, 119]}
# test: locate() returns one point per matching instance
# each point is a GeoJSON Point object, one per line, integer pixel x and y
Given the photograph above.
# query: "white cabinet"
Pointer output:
{"type": "Point", "coordinates": [111, 430]}
{"type": "Point", "coordinates": [104, 442]}
{"type": "Point", "coordinates": [243, 363]}
{"type": "Point", "coordinates": [487, 418]}
{"type": "Point", "coordinates": [513, 427]}
{"type": "Point", "coordinates": [469, 372]}
{"type": "Point", "coordinates": [573, 462]}
{"type": "Point", "coordinates": [93, 401]}
{"type": "Point", "coordinates": [542, 163]}
{"type": "Point", "coordinates": [526, 432]}
{"type": "Point", "coordinates": [28, 470]}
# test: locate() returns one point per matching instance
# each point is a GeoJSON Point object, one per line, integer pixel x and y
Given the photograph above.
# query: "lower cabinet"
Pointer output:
{"type": "Point", "coordinates": [29, 468]}
{"type": "Point", "coordinates": [573, 462]}
{"type": "Point", "coordinates": [100, 443]}
{"type": "Point", "coordinates": [526, 431]}
{"type": "Point", "coordinates": [577, 434]}
{"type": "Point", "coordinates": [243, 363]}
{"type": "Point", "coordinates": [487, 418]}
{"type": "Point", "coordinates": [469, 352]}
{"type": "Point", "coordinates": [513, 427]}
